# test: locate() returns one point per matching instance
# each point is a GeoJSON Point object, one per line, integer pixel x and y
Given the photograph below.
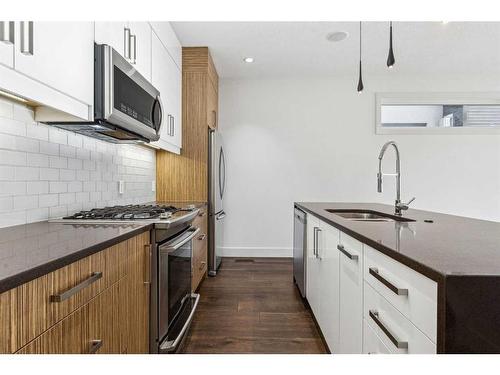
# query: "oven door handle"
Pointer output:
{"type": "Point", "coordinates": [171, 345]}
{"type": "Point", "coordinates": [185, 238]}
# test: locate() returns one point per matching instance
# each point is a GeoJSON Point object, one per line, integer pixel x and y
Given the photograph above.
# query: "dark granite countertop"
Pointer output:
{"type": "Point", "coordinates": [450, 245]}
{"type": "Point", "coordinates": [32, 250]}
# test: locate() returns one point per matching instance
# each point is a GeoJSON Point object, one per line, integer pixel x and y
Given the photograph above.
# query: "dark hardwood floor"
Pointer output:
{"type": "Point", "coordinates": [252, 306]}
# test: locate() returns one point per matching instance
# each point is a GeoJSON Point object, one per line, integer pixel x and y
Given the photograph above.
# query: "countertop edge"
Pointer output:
{"type": "Point", "coordinates": [407, 261]}
{"type": "Point", "coordinates": [38, 271]}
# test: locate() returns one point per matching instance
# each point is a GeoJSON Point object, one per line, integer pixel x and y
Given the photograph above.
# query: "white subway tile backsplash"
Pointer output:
{"type": "Point", "coordinates": [58, 187]}
{"type": "Point", "coordinates": [38, 160]}
{"type": "Point", "coordinates": [37, 187]}
{"type": "Point", "coordinates": [48, 200]}
{"type": "Point", "coordinates": [47, 172]}
{"type": "Point", "coordinates": [12, 157]}
{"type": "Point", "coordinates": [27, 173]}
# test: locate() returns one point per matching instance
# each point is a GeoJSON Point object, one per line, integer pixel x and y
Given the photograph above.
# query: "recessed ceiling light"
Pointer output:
{"type": "Point", "coordinates": [248, 59]}
{"type": "Point", "coordinates": [337, 36]}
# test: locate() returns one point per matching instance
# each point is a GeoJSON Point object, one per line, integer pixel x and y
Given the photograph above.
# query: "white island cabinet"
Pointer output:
{"type": "Point", "coordinates": [365, 301]}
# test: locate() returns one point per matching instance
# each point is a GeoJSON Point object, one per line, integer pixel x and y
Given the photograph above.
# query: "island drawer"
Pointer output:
{"type": "Point", "coordinates": [411, 293]}
{"type": "Point", "coordinates": [372, 344]}
{"type": "Point", "coordinates": [396, 332]}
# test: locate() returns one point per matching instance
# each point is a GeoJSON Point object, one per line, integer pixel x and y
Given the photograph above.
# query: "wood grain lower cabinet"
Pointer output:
{"type": "Point", "coordinates": [109, 314]}
{"type": "Point", "coordinates": [200, 249]}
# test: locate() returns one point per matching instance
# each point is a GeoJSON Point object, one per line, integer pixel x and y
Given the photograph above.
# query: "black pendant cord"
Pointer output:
{"type": "Point", "coordinates": [360, 80]}
{"type": "Point", "coordinates": [390, 58]}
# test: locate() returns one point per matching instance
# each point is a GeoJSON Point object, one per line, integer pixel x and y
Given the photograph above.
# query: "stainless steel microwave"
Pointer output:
{"type": "Point", "coordinates": [127, 107]}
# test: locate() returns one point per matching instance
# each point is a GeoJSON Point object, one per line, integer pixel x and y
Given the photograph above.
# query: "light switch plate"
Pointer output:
{"type": "Point", "coordinates": [153, 185]}
{"type": "Point", "coordinates": [121, 186]}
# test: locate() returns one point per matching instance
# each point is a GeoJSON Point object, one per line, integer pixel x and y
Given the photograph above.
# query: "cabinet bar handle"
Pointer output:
{"type": "Point", "coordinates": [202, 213]}
{"type": "Point", "coordinates": [133, 49]}
{"type": "Point", "coordinates": [202, 237]}
{"type": "Point", "coordinates": [27, 38]}
{"type": "Point", "coordinates": [149, 249]}
{"type": "Point", "coordinates": [7, 32]}
{"type": "Point", "coordinates": [202, 265]}
{"type": "Point", "coordinates": [342, 249]}
{"type": "Point", "coordinates": [398, 344]}
{"type": "Point", "coordinates": [126, 43]}
{"type": "Point", "coordinates": [315, 238]}
{"type": "Point", "coordinates": [95, 345]}
{"type": "Point", "coordinates": [71, 292]}
{"type": "Point", "coordinates": [399, 291]}
{"type": "Point", "coordinates": [173, 126]}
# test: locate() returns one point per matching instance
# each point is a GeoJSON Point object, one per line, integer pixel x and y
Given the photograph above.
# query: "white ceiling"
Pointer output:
{"type": "Point", "coordinates": [284, 49]}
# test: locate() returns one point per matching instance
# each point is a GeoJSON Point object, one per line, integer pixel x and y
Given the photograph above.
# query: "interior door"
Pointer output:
{"type": "Point", "coordinates": [7, 43]}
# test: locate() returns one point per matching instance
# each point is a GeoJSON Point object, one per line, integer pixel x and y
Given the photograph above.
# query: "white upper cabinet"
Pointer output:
{"type": "Point", "coordinates": [114, 34]}
{"type": "Point", "coordinates": [7, 43]}
{"type": "Point", "coordinates": [167, 78]}
{"type": "Point", "coordinates": [59, 54]}
{"type": "Point", "coordinates": [169, 39]}
{"type": "Point", "coordinates": [140, 47]}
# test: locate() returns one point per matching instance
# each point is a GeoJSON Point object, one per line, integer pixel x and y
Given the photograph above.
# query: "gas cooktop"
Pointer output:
{"type": "Point", "coordinates": [130, 212]}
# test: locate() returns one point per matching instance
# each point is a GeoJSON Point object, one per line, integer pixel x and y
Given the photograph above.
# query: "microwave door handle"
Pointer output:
{"type": "Point", "coordinates": [182, 241]}
{"type": "Point", "coordinates": [171, 345]}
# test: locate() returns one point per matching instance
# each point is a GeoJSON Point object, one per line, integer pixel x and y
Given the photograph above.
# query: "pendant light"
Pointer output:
{"type": "Point", "coordinates": [360, 80]}
{"type": "Point", "coordinates": [390, 58]}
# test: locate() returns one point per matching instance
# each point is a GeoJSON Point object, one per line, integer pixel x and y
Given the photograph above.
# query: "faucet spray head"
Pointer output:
{"type": "Point", "coordinates": [379, 182]}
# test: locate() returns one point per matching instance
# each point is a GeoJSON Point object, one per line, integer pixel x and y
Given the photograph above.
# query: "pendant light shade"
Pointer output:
{"type": "Point", "coordinates": [360, 79]}
{"type": "Point", "coordinates": [390, 58]}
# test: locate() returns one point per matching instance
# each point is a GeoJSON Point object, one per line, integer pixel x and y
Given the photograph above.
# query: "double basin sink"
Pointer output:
{"type": "Point", "coordinates": [367, 215]}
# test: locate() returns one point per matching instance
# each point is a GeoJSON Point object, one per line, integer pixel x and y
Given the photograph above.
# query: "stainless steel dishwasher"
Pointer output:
{"type": "Point", "coordinates": [299, 250]}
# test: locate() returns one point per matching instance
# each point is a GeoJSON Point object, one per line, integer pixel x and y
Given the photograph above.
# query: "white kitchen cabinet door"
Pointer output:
{"type": "Point", "coordinates": [166, 77]}
{"type": "Point", "coordinates": [141, 48]}
{"type": "Point", "coordinates": [169, 39]}
{"type": "Point", "coordinates": [329, 285]}
{"type": "Point", "coordinates": [351, 295]}
{"type": "Point", "coordinates": [59, 55]}
{"type": "Point", "coordinates": [313, 286]}
{"type": "Point", "coordinates": [114, 34]}
{"type": "Point", "coordinates": [7, 31]}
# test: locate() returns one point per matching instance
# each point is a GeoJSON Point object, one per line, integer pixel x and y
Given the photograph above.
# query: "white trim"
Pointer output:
{"type": "Point", "coordinates": [410, 98]}
{"type": "Point", "coordinates": [259, 252]}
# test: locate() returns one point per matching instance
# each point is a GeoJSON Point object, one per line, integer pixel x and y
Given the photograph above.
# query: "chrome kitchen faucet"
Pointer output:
{"type": "Point", "coordinates": [398, 206]}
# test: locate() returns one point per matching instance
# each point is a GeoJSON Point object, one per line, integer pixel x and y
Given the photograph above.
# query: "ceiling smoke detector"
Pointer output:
{"type": "Point", "coordinates": [337, 36]}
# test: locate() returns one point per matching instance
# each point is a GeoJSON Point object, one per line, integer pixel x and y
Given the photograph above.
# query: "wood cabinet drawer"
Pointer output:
{"type": "Point", "coordinates": [417, 298]}
{"type": "Point", "coordinates": [201, 220]}
{"type": "Point", "coordinates": [372, 344]}
{"type": "Point", "coordinates": [397, 333]}
{"type": "Point", "coordinates": [199, 260]}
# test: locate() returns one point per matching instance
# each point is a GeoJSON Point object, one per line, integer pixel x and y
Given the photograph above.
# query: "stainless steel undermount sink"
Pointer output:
{"type": "Point", "coordinates": [366, 215]}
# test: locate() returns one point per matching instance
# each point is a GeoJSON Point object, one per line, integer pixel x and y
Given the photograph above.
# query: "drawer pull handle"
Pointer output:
{"type": "Point", "coordinates": [71, 292]}
{"type": "Point", "coordinates": [398, 344]}
{"type": "Point", "coordinates": [202, 237]}
{"type": "Point", "coordinates": [346, 253]}
{"type": "Point", "coordinates": [399, 291]}
{"type": "Point", "coordinates": [202, 213]}
{"type": "Point", "coordinates": [95, 345]}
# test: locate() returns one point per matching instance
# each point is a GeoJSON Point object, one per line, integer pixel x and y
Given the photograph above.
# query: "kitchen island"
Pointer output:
{"type": "Point", "coordinates": [439, 261]}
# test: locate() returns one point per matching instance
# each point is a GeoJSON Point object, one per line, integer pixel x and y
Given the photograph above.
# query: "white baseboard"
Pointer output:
{"type": "Point", "coordinates": [259, 252]}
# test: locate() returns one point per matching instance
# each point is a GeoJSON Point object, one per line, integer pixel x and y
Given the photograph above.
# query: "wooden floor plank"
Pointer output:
{"type": "Point", "coordinates": [252, 306]}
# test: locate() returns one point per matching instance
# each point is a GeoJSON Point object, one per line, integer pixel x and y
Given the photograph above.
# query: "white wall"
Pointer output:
{"type": "Point", "coordinates": [314, 140]}
{"type": "Point", "coordinates": [46, 172]}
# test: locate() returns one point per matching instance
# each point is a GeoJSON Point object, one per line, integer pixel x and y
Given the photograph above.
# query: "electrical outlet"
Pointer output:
{"type": "Point", "coordinates": [153, 185]}
{"type": "Point", "coordinates": [121, 186]}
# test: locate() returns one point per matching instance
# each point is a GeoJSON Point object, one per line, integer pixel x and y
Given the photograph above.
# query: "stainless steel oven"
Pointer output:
{"type": "Point", "coordinates": [176, 303]}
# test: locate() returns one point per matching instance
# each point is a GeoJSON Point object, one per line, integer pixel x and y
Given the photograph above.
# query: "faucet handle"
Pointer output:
{"type": "Point", "coordinates": [411, 200]}
{"type": "Point", "coordinates": [404, 206]}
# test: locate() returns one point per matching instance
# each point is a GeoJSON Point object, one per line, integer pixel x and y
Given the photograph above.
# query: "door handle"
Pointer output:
{"type": "Point", "coordinates": [399, 291]}
{"type": "Point", "coordinates": [342, 249]}
{"type": "Point", "coordinates": [221, 216]}
{"type": "Point", "coordinates": [27, 38]}
{"type": "Point", "coordinates": [95, 345]}
{"type": "Point", "coordinates": [71, 292]}
{"type": "Point", "coordinates": [133, 49]}
{"type": "Point", "coordinates": [398, 344]}
{"type": "Point", "coordinates": [126, 43]}
{"type": "Point", "coordinates": [7, 32]}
